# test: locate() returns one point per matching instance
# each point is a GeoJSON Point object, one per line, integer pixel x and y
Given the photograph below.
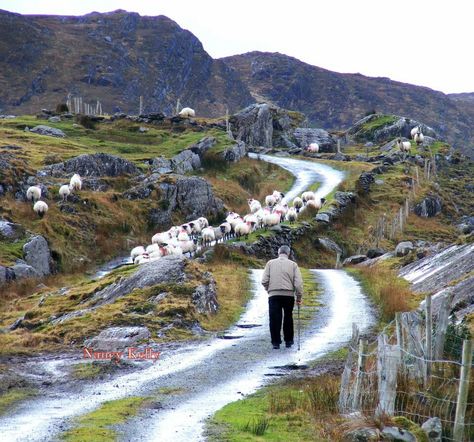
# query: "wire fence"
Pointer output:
{"type": "Point", "coordinates": [415, 368]}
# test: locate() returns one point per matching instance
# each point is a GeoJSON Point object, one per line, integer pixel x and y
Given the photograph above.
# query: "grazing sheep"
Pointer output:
{"type": "Point", "coordinates": [208, 236]}
{"type": "Point", "coordinates": [243, 229]}
{"type": "Point", "coordinates": [270, 200]}
{"type": "Point", "coordinates": [281, 209]}
{"type": "Point", "coordinates": [298, 203]}
{"type": "Point", "coordinates": [137, 251]}
{"type": "Point", "coordinates": [291, 215]}
{"type": "Point", "coordinates": [40, 208]}
{"type": "Point", "coordinates": [314, 204]}
{"type": "Point", "coordinates": [306, 196]}
{"type": "Point", "coordinates": [278, 195]}
{"type": "Point", "coordinates": [187, 112]}
{"type": "Point", "coordinates": [271, 219]}
{"type": "Point", "coordinates": [404, 146]}
{"type": "Point", "coordinates": [141, 259]}
{"type": "Point", "coordinates": [218, 234]}
{"type": "Point", "coordinates": [196, 227]}
{"type": "Point", "coordinates": [252, 219]}
{"type": "Point", "coordinates": [187, 227]}
{"type": "Point", "coordinates": [414, 131]}
{"type": "Point", "coordinates": [313, 148]}
{"type": "Point", "coordinates": [188, 247]}
{"type": "Point", "coordinates": [183, 235]}
{"type": "Point", "coordinates": [254, 205]}
{"type": "Point", "coordinates": [152, 248]}
{"type": "Point", "coordinates": [33, 193]}
{"type": "Point", "coordinates": [65, 191]}
{"type": "Point", "coordinates": [75, 183]}
{"type": "Point", "coordinates": [226, 229]}
{"type": "Point", "coordinates": [161, 238]}
{"type": "Point", "coordinates": [419, 138]}
{"type": "Point", "coordinates": [204, 222]}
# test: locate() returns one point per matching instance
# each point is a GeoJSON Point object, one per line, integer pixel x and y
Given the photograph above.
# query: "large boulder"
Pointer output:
{"type": "Point", "coordinates": [92, 165]}
{"type": "Point", "coordinates": [397, 434]}
{"type": "Point", "coordinates": [202, 146]}
{"type": "Point", "coordinates": [117, 338]}
{"type": "Point", "coordinates": [23, 271]}
{"type": "Point", "coordinates": [429, 207]}
{"type": "Point", "coordinates": [37, 255]}
{"type": "Point", "coordinates": [235, 152]}
{"type": "Point", "coordinates": [185, 161]}
{"type": "Point", "coordinates": [433, 429]}
{"type": "Point", "coordinates": [404, 248]}
{"type": "Point", "coordinates": [161, 165]}
{"type": "Point", "coordinates": [205, 297]}
{"type": "Point", "coordinates": [47, 130]}
{"type": "Point", "coordinates": [10, 231]}
{"type": "Point", "coordinates": [254, 125]}
{"type": "Point", "coordinates": [355, 259]}
{"type": "Point", "coordinates": [305, 136]}
{"type": "Point", "coordinates": [169, 269]}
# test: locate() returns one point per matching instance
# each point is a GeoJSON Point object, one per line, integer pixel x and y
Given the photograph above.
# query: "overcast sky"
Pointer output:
{"type": "Point", "coordinates": [421, 42]}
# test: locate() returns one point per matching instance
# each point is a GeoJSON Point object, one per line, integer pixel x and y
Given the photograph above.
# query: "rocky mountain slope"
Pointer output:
{"type": "Point", "coordinates": [119, 56]}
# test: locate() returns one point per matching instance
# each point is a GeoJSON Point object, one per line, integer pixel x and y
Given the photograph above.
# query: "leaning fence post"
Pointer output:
{"type": "Point", "coordinates": [346, 374]}
{"type": "Point", "coordinates": [442, 325]}
{"type": "Point", "coordinates": [461, 404]}
{"type": "Point", "coordinates": [356, 400]}
{"type": "Point", "coordinates": [428, 338]}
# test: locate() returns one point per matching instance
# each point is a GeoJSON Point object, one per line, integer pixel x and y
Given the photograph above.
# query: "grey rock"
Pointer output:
{"type": "Point", "coordinates": [254, 125]}
{"type": "Point", "coordinates": [429, 207]}
{"type": "Point", "coordinates": [398, 435]}
{"type": "Point", "coordinates": [306, 136]}
{"type": "Point", "coordinates": [47, 130]}
{"type": "Point", "coordinates": [379, 182]}
{"type": "Point", "coordinates": [344, 199]}
{"type": "Point", "coordinates": [185, 161]}
{"type": "Point", "coordinates": [282, 153]}
{"type": "Point", "coordinates": [161, 165]}
{"type": "Point", "coordinates": [10, 231]}
{"type": "Point", "coordinates": [404, 248]}
{"type": "Point", "coordinates": [16, 324]}
{"type": "Point", "coordinates": [165, 270]}
{"type": "Point", "coordinates": [330, 245]}
{"type": "Point", "coordinates": [366, 179]}
{"type": "Point", "coordinates": [54, 119]}
{"type": "Point", "coordinates": [374, 253]}
{"type": "Point", "coordinates": [92, 165]}
{"type": "Point", "coordinates": [323, 217]}
{"type": "Point", "coordinates": [142, 129]}
{"type": "Point", "coordinates": [37, 255]}
{"type": "Point", "coordinates": [362, 435]}
{"type": "Point", "coordinates": [118, 338]}
{"type": "Point", "coordinates": [433, 429]}
{"type": "Point", "coordinates": [340, 157]}
{"type": "Point", "coordinates": [465, 225]}
{"type": "Point", "coordinates": [235, 152]}
{"type": "Point", "coordinates": [205, 298]}
{"type": "Point", "coordinates": [202, 146]}
{"type": "Point", "coordinates": [23, 271]}
{"type": "Point", "coordinates": [390, 145]}
{"type": "Point", "coordinates": [368, 144]}
{"type": "Point", "coordinates": [355, 259]}
{"type": "Point", "coordinates": [158, 298]}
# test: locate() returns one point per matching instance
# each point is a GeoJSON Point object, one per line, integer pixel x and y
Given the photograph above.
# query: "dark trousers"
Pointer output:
{"type": "Point", "coordinates": [281, 307]}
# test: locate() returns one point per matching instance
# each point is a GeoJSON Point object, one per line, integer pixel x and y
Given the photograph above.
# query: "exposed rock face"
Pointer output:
{"type": "Point", "coordinates": [22, 271]}
{"type": "Point", "coordinates": [396, 127]}
{"type": "Point", "coordinates": [235, 153]}
{"type": "Point", "coordinates": [94, 165]}
{"type": "Point", "coordinates": [404, 248]}
{"type": "Point", "coordinates": [185, 161]}
{"type": "Point", "coordinates": [375, 253]}
{"type": "Point", "coordinates": [164, 270]}
{"type": "Point", "coordinates": [192, 196]}
{"type": "Point", "coordinates": [356, 259]}
{"type": "Point", "coordinates": [429, 207]}
{"type": "Point", "coordinates": [10, 231]}
{"type": "Point", "coordinates": [205, 297]}
{"type": "Point", "coordinates": [37, 255]}
{"type": "Point", "coordinates": [433, 429]}
{"type": "Point", "coordinates": [254, 125]}
{"type": "Point", "coordinates": [306, 136]}
{"type": "Point", "coordinates": [362, 435]}
{"type": "Point", "coordinates": [46, 130]}
{"type": "Point", "coordinates": [344, 201]}
{"type": "Point", "coordinates": [330, 245]}
{"type": "Point", "coordinates": [117, 338]}
{"type": "Point", "coordinates": [398, 435]}
{"type": "Point", "coordinates": [202, 146]}
{"type": "Point", "coordinates": [366, 179]}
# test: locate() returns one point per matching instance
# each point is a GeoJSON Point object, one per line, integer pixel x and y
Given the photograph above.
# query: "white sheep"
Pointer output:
{"type": "Point", "coordinates": [254, 205]}
{"type": "Point", "coordinates": [270, 200]}
{"type": "Point", "coordinates": [188, 247]}
{"type": "Point", "coordinates": [75, 182]}
{"type": "Point", "coordinates": [208, 236]}
{"type": "Point", "coordinates": [297, 203]}
{"type": "Point", "coordinates": [226, 229]}
{"type": "Point", "coordinates": [252, 219]}
{"type": "Point", "coordinates": [419, 137]}
{"type": "Point", "coordinates": [271, 219]}
{"type": "Point", "coordinates": [33, 193]}
{"type": "Point", "coordinates": [414, 131]}
{"type": "Point", "coordinates": [137, 251]}
{"type": "Point", "coordinates": [281, 210]}
{"type": "Point", "coordinates": [152, 248]}
{"type": "Point", "coordinates": [40, 208]}
{"type": "Point", "coordinates": [313, 148]}
{"type": "Point", "coordinates": [65, 191]}
{"type": "Point", "coordinates": [196, 227]}
{"type": "Point", "coordinates": [161, 238]}
{"type": "Point", "coordinates": [315, 204]}
{"type": "Point", "coordinates": [183, 235]}
{"type": "Point", "coordinates": [187, 112]}
{"type": "Point", "coordinates": [308, 195]}
{"type": "Point", "coordinates": [219, 235]}
{"type": "Point", "coordinates": [141, 259]}
{"type": "Point", "coordinates": [203, 221]}
{"type": "Point", "coordinates": [404, 146]}
{"type": "Point", "coordinates": [243, 229]}
{"type": "Point", "coordinates": [291, 215]}
{"type": "Point", "coordinates": [278, 195]}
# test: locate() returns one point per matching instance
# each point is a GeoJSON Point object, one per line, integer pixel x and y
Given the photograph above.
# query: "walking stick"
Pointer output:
{"type": "Point", "coordinates": [299, 329]}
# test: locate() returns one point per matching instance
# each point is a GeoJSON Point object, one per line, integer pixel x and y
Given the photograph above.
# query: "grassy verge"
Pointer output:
{"type": "Point", "coordinates": [12, 397]}
{"type": "Point", "coordinates": [95, 426]}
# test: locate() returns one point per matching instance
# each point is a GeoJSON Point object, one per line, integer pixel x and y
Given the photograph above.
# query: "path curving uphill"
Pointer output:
{"type": "Point", "coordinates": [215, 372]}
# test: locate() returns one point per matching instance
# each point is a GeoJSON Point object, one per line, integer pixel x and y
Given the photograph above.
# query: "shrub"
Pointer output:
{"type": "Point", "coordinates": [86, 121]}
{"type": "Point", "coordinates": [61, 108]}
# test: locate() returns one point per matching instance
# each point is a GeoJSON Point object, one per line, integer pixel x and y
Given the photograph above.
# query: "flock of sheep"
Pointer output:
{"type": "Point", "coordinates": [40, 207]}
{"type": "Point", "coordinates": [185, 238]}
{"type": "Point", "coordinates": [416, 135]}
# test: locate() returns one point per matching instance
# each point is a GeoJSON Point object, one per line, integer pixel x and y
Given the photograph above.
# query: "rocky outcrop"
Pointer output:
{"type": "Point", "coordinates": [47, 130]}
{"type": "Point", "coordinates": [404, 248]}
{"type": "Point", "coordinates": [37, 255]}
{"type": "Point", "coordinates": [169, 269]}
{"type": "Point", "coordinates": [235, 152]}
{"type": "Point", "coordinates": [343, 202]}
{"type": "Point", "coordinates": [185, 161]}
{"type": "Point", "coordinates": [10, 231]}
{"type": "Point", "coordinates": [305, 136]}
{"type": "Point", "coordinates": [192, 196]}
{"type": "Point", "coordinates": [355, 259]}
{"type": "Point", "coordinates": [433, 429]}
{"type": "Point", "coordinates": [117, 338]}
{"type": "Point", "coordinates": [381, 128]}
{"type": "Point", "coordinates": [429, 207]}
{"type": "Point", "coordinates": [202, 146]}
{"type": "Point", "coordinates": [204, 296]}
{"type": "Point", "coordinates": [92, 165]}
{"type": "Point", "coordinates": [366, 179]}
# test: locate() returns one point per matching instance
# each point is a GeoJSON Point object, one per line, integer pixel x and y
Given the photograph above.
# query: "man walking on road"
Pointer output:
{"type": "Point", "coordinates": [282, 280]}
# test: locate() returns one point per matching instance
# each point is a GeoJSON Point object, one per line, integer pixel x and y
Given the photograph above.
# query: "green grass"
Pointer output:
{"type": "Point", "coordinates": [10, 251]}
{"type": "Point", "coordinates": [13, 396]}
{"type": "Point", "coordinates": [95, 426]}
{"type": "Point", "coordinates": [371, 126]}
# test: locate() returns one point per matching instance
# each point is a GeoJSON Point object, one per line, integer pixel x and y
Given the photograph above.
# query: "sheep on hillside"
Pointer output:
{"type": "Point", "coordinates": [76, 182]}
{"type": "Point", "coordinates": [419, 138]}
{"type": "Point", "coordinates": [40, 208]}
{"type": "Point", "coordinates": [187, 112]}
{"type": "Point", "coordinates": [414, 131]}
{"type": "Point", "coordinates": [33, 193]}
{"type": "Point", "coordinates": [291, 215]}
{"type": "Point", "coordinates": [278, 195]}
{"type": "Point", "coordinates": [208, 236]}
{"type": "Point", "coordinates": [404, 146]}
{"type": "Point", "coordinates": [65, 191]}
{"type": "Point", "coordinates": [297, 203]}
{"type": "Point", "coordinates": [270, 200]}
{"type": "Point", "coordinates": [137, 251]}
{"type": "Point", "coordinates": [313, 148]}
{"type": "Point", "coordinates": [306, 196]}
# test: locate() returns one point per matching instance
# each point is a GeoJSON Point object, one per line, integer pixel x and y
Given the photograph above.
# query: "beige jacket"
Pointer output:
{"type": "Point", "coordinates": [282, 277]}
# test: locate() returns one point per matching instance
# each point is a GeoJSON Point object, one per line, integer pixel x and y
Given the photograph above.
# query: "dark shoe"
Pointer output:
{"type": "Point", "coordinates": [288, 344]}
{"type": "Point", "coordinates": [276, 346]}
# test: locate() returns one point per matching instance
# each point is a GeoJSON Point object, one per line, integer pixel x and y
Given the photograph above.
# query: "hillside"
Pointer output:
{"type": "Point", "coordinates": [119, 56]}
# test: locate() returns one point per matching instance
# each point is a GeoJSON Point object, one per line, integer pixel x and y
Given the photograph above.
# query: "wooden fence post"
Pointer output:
{"type": "Point", "coordinates": [140, 108]}
{"type": "Point", "coordinates": [461, 404]}
{"type": "Point", "coordinates": [428, 338]}
{"type": "Point", "coordinates": [388, 359]}
{"type": "Point", "coordinates": [346, 374]}
{"type": "Point", "coordinates": [356, 400]}
{"type": "Point", "coordinates": [442, 325]}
